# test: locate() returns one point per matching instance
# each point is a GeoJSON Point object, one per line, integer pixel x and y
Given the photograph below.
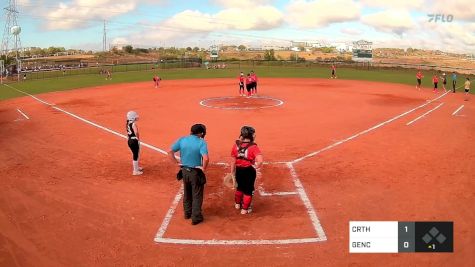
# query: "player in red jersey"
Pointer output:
{"type": "Point", "coordinates": [435, 80]}
{"type": "Point", "coordinates": [246, 157]}
{"type": "Point", "coordinates": [333, 71]}
{"type": "Point", "coordinates": [242, 79]}
{"type": "Point", "coordinates": [249, 85]}
{"type": "Point", "coordinates": [254, 83]}
{"type": "Point", "coordinates": [419, 77]}
{"type": "Point", "coordinates": [156, 80]}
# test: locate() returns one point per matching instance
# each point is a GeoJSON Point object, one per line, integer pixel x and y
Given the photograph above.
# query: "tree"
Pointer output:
{"type": "Point", "coordinates": [189, 49]}
{"type": "Point", "coordinates": [196, 49]}
{"type": "Point", "coordinates": [242, 48]}
{"type": "Point", "coordinates": [128, 49]}
{"type": "Point", "coordinates": [269, 55]}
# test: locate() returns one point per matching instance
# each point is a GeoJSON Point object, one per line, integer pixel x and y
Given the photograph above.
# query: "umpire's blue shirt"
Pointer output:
{"type": "Point", "coordinates": [191, 148]}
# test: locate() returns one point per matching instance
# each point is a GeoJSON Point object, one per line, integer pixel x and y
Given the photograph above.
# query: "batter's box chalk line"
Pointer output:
{"type": "Point", "coordinates": [263, 193]}
{"type": "Point", "coordinates": [319, 232]}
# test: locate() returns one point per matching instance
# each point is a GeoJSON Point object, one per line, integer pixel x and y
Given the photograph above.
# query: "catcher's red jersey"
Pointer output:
{"type": "Point", "coordinates": [250, 155]}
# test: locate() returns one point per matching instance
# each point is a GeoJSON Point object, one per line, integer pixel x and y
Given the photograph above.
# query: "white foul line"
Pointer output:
{"type": "Point", "coordinates": [25, 93]}
{"type": "Point", "coordinates": [367, 130]}
{"type": "Point", "coordinates": [87, 121]}
{"type": "Point", "coordinates": [455, 112]}
{"type": "Point", "coordinates": [24, 115]}
{"type": "Point", "coordinates": [108, 130]}
{"type": "Point", "coordinates": [423, 115]}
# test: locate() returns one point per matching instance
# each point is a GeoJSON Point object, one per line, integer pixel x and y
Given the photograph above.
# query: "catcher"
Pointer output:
{"type": "Point", "coordinates": [246, 158]}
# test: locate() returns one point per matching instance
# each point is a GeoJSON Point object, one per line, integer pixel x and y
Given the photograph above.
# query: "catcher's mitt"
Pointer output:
{"type": "Point", "coordinates": [229, 181]}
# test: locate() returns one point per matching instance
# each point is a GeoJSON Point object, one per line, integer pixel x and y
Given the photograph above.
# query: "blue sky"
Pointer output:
{"type": "Point", "coordinates": [388, 23]}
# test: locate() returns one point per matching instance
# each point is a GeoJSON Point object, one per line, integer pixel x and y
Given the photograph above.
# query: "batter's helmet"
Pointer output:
{"type": "Point", "coordinates": [247, 132]}
{"type": "Point", "coordinates": [198, 129]}
{"type": "Point", "coordinates": [132, 116]}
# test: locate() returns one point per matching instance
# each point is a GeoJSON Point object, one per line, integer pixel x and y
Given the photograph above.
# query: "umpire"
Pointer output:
{"type": "Point", "coordinates": [194, 160]}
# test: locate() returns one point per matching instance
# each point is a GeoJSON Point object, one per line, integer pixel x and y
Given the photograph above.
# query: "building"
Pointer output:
{"type": "Point", "coordinates": [307, 45]}
{"type": "Point", "coordinates": [362, 51]}
{"type": "Point", "coordinates": [343, 47]}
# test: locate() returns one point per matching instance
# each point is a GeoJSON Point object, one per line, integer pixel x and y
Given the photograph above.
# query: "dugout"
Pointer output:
{"type": "Point", "coordinates": [50, 64]}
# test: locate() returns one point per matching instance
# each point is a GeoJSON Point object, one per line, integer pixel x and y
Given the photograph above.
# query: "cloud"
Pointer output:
{"type": "Point", "coordinates": [241, 3]}
{"type": "Point", "coordinates": [460, 33]}
{"type": "Point", "coordinates": [458, 38]}
{"type": "Point", "coordinates": [190, 25]}
{"type": "Point", "coordinates": [81, 13]}
{"type": "Point", "coordinates": [396, 21]}
{"type": "Point", "coordinates": [351, 31]}
{"type": "Point", "coordinates": [258, 18]}
{"type": "Point", "coordinates": [460, 9]}
{"type": "Point", "coordinates": [320, 13]}
{"type": "Point", "coordinates": [401, 4]}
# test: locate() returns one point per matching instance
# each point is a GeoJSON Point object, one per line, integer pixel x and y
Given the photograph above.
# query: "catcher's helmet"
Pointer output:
{"type": "Point", "coordinates": [132, 116]}
{"type": "Point", "coordinates": [198, 129]}
{"type": "Point", "coordinates": [247, 132]}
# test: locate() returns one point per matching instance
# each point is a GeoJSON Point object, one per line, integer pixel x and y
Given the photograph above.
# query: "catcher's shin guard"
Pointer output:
{"type": "Point", "coordinates": [238, 197]}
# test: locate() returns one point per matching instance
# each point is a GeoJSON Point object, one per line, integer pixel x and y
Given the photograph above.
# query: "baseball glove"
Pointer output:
{"type": "Point", "coordinates": [229, 181]}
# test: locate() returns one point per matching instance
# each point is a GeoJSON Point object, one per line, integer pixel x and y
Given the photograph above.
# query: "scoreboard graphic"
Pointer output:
{"type": "Point", "coordinates": [399, 237]}
{"type": "Point", "coordinates": [362, 51]}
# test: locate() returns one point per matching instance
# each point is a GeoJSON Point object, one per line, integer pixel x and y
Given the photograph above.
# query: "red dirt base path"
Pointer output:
{"type": "Point", "coordinates": [68, 197]}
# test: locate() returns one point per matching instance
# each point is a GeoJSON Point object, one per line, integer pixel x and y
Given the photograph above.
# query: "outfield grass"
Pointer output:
{"type": "Point", "coordinates": [305, 70]}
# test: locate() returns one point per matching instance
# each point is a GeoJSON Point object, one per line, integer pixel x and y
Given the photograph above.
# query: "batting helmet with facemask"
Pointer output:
{"type": "Point", "coordinates": [132, 116]}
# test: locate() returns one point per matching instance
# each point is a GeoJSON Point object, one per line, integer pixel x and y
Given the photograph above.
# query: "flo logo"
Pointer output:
{"type": "Point", "coordinates": [440, 18]}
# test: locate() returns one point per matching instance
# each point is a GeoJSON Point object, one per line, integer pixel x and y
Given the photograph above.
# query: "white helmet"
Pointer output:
{"type": "Point", "coordinates": [132, 116]}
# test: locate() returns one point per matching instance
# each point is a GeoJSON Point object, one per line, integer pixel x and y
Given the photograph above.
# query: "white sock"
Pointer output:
{"type": "Point", "coordinates": [136, 165]}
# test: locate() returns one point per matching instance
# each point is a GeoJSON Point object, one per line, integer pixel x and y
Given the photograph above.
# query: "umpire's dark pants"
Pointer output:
{"type": "Point", "coordinates": [194, 181]}
{"type": "Point", "coordinates": [454, 82]}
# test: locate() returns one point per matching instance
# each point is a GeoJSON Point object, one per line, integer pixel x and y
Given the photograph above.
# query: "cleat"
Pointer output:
{"type": "Point", "coordinates": [243, 211]}
{"type": "Point", "coordinates": [137, 173]}
{"type": "Point", "coordinates": [196, 222]}
{"type": "Point", "coordinates": [237, 206]}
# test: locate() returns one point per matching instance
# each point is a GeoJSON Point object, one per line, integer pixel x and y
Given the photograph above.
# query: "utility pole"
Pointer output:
{"type": "Point", "coordinates": [11, 31]}
{"type": "Point", "coordinates": [104, 38]}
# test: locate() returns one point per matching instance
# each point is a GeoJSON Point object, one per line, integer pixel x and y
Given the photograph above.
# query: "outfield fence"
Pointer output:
{"type": "Point", "coordinates": [239, 65]}
{"type": "Point", "coordinates": [346, 64]}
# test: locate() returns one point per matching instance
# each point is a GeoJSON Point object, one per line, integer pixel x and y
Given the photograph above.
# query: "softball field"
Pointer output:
{"type": "Point", "coordinates": [335, 151]}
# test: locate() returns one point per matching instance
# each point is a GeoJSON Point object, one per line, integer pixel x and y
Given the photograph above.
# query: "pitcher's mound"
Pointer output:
{"type": "Point", "coordinates": [241, 102]}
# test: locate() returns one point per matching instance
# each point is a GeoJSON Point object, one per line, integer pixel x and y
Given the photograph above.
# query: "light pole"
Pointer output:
{"type": "Point", "coordinates": [15, 31]}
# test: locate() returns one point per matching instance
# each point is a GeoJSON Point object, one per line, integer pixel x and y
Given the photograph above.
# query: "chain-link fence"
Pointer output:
{"type": "Point", "coordinates": [236, 64]}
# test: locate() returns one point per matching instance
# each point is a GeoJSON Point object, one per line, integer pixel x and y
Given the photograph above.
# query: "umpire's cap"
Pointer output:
{"type": "Point", "coordinates": [247, 132]}
{"type": "Point", "coordinates": [198, 129]}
